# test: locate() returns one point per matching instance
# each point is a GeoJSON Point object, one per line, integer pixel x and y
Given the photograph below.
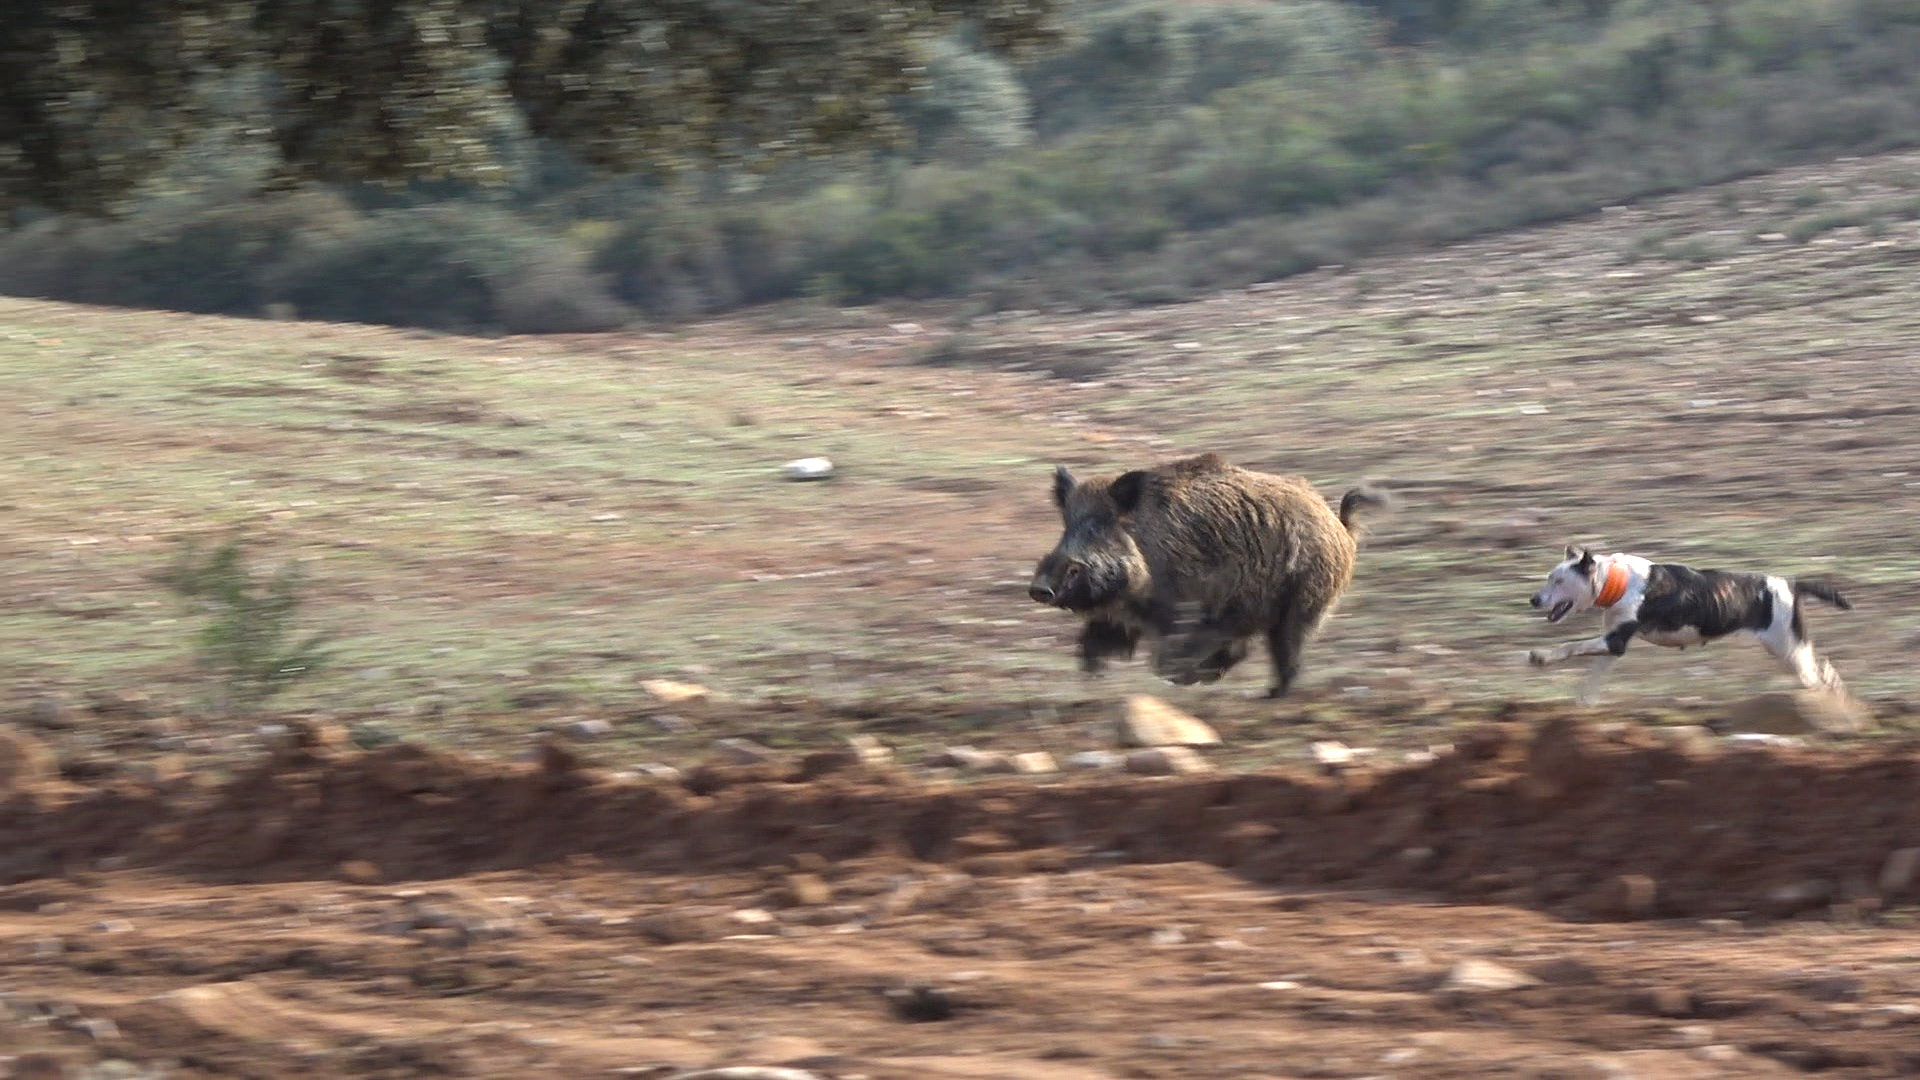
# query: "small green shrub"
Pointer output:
{"type": "Point", "coordinates": [246, 646]}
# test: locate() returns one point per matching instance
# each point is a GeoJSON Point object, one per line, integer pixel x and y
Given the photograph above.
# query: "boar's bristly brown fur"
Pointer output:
{"type": "Point", "coordinates": [1200, 556]}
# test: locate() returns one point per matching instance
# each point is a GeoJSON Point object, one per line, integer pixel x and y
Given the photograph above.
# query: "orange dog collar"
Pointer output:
{"type": "Point", "coordinates": [1614, 587]}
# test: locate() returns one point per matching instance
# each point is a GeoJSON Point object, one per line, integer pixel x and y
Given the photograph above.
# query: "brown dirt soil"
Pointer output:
{"type": "Point", "coordinates": [410, 912]}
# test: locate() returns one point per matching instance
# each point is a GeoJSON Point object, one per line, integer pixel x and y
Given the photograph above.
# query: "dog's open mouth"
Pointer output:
{"type": "Point", "coordinates": [1559, 611]}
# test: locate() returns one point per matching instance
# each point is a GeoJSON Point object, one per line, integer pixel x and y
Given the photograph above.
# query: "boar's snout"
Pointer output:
{"type": "Point", "coordinates": [1041, 592]}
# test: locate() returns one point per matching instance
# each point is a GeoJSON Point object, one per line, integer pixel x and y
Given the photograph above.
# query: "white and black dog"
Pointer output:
{"type": "Point", "coordinates": [1676, 605]}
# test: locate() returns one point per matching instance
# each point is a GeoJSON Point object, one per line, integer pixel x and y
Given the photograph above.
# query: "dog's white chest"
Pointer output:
{"type": "Point", "coordinates": [1682, 638]}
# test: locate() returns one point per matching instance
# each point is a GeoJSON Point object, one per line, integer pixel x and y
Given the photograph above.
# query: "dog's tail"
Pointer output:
{"type": "Point", "coordinates": [1359, 497]}
{"type": "Point", "coordinates": [1821, 592]}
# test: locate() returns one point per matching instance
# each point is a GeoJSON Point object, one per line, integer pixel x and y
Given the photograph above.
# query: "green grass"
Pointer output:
{"type": "Point", "coordinates": [482, 519]}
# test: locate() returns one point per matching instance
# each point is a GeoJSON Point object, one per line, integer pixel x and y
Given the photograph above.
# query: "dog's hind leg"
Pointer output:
{"type": "Point", "coordinates": [1810, 668]}
{"type": "Point", "coordinates": [1795, 652]}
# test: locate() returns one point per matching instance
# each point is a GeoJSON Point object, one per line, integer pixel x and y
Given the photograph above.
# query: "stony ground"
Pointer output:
{"type": "Point", "coordinates": [524, 535]}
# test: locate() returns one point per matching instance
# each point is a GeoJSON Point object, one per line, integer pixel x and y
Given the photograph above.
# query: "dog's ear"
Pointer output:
{"type": "Point", "coordinates": [1586, 561]}
{"type": "Point", "coordinates": [1572, 553]}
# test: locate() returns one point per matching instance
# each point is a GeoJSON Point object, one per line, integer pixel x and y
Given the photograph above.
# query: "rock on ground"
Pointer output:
{"type": "Point", "coordinates": [971, 759]}
{"type": "Point", "coordinates": [48, 712]}
{"type": "Point", "coordinates": [669, 692]}
{"type": "Point", "coordinates": [1485, 975]}
{"type": "Point", "coordinates": [743, 752]}
{"type": "Point", "coordinates": [1033, 763]}
{"type": "Point", "coordinates": [1147, 721]}
{"type": "Point", "coordinates": [1899, 870]}
{"type": "Point", "coordinates": [871, 751]}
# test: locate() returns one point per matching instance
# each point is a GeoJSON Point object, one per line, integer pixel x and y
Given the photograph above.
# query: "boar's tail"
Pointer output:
{"type": "Point", "coordinates": [1355, 498]}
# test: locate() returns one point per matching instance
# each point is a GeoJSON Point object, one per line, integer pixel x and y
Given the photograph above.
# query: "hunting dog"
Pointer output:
{"type": "Point", "coordinates": [1676, 605]}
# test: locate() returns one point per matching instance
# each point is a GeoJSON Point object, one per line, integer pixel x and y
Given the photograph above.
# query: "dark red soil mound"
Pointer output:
{"type": "Point", "coordinates": [1552, 817]}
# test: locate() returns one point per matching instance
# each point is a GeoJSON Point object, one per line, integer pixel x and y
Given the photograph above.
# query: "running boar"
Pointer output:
{"type": "Point", "coordinates": [1199, 556]}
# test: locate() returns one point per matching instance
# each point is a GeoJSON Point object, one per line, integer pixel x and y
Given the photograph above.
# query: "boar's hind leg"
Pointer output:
{"type": "Point", "coordinates": [1286, 639]}
{"type": "Point", "coordinates": [1101, 638]}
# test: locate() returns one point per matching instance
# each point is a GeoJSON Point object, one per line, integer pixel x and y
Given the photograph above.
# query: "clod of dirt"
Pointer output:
{"type": "Point", "coordinates": [1484, 976]}
{"type": "Point", "coordinates": [682, 926]}
{"type": "Point", "coordinates": [1147, 721]}
{"type": "Point", "coordinates": [588, 729]}
{"type": "Point", "coordinates": [825, 763]}
{"type": "Point", "coordinates": [1675, 1002]}
{"type": "Point", "coordinates": [112, 703]}
{"type": "Point", "coordinates": [808, 890]}
{"type": "Point", "coordinates": [359, 872]}
{"type": "Point", "coordinates": [1033, 763]}
{"type": "Point", "coordinates": [1899, 870]}
{"type": "Point", "coordinates": [813, 468]}
{"type": "Point", "coordinates": [669, 692]}
{"type": "Point", "coordinates": [1798, 896]}
{"type": "Point", "coordinates": [24, 762]}
{"type": "Point", "coordinates": [539, 697]}
{"type": "Point", "coordinates": [743, 752]}
{"type": "Point", "coordinates": [1797, 712]}
{"type": "Point", "coordinates": [556, 757]}
{"type": "Point", "coordinates": [1628, 896]}
{"type": "Point", "coordinates": [1333, 755]}
{"type": "Point", "coordinates": [747, 1073]}
{"type": "Point", "coordinates": [38, 1067]}
{"type": "Point", "coordinates": [920, 1004]}
{"type": "Point", "coordinates": [49, 713]}
{"type": "Point", "coordinates": [871, 751]}
{"type": "Point", "coordinates": [1166, 761]}
{"type": "Point", "coordinates": [1564, 971]}
{"type": "Point", "coordinates": [1827, 986]}
{"type": "Point", "coordinates": [970, 759]}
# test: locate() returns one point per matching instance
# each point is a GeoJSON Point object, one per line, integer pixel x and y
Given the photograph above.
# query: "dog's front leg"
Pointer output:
{"type": "Point", "coordinates": [1572, 650]}
{"type": "Point", "coordinates": [1596, 680]}
{"type": "Point", "coordinates": [1609, 647]}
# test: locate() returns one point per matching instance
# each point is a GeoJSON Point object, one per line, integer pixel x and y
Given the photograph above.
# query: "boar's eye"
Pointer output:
{"type": "Point", "coordinates": [1072, 576]}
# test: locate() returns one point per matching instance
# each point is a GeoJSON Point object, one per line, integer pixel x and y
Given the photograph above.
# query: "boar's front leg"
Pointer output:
{"type": "Point", "coordinates": [1198, 649]}
{"type": "Point", "coordinates": [1102, 638]}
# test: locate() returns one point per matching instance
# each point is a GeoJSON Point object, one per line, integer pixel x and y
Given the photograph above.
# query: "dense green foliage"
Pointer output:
{"type": "Point", "coordinates": [94, 94]}
{"type": "Point", "coordinates": [1166, 146]}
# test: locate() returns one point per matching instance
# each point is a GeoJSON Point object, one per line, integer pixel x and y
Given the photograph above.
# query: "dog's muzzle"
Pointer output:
{"type": "Point", "coordinates": [1559, 610]}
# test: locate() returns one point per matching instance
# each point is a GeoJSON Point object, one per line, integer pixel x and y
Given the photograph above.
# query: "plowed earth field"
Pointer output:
{"type": "Point", "coordinates": [1548, 899]}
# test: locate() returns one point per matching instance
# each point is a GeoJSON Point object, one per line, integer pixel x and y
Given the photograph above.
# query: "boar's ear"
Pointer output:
{"type": "Point", "coordinates": [1062, 485]}
{"type": "Point", "coordinates": [1127, 489]}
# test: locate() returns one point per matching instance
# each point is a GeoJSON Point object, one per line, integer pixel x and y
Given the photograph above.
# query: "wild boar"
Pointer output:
{"type": "Point", "coordinates": [1200, 556]}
